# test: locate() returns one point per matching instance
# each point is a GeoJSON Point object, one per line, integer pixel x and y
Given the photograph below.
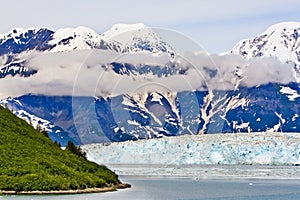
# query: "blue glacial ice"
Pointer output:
{"type": "Point", "coordinates": [210, 149]}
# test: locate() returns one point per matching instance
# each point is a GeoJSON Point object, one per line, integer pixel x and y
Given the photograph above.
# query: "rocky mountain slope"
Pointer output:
{"type": "Point", "coordinates": [129, 84]}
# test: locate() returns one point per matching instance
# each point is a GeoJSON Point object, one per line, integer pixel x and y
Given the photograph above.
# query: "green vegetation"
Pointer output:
{"type": "Point", "coordinates": [30, 161]}
{"type": "Point", "coordinates": [76, 150]}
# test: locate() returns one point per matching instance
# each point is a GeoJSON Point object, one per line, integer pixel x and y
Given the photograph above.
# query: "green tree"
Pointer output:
{"type": "Point", "coordinates": [57, 144]}
{"type": "Point", "coordinates": [76, 150]}
{"type": "Point", "coordinates": [38, 127]}
{"type": "Point", "coordinates": [45, 133]}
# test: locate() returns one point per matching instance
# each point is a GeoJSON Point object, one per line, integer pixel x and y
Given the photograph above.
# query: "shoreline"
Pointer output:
{"type": "Point", "coordinates": [60, 192]}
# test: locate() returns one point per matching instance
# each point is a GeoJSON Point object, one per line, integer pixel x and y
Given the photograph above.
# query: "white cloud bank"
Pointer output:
{"type": "Point", "coordinates": [86, 73]}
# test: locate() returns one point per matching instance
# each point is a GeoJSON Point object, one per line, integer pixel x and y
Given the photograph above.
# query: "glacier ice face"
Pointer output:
{"type": "Point", "coordinates": [223, 149]}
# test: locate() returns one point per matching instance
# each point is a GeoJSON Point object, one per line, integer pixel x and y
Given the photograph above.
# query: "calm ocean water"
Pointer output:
{"type": "Point", "coordinates": [189, 189]}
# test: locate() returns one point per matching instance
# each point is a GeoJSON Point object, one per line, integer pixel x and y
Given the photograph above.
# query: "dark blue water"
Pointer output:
{"type": "Point", "coordinates": [189, 189]}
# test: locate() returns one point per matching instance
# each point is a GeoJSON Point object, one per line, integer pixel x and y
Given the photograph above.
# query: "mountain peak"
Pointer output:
{"type": "Point", "coordinates": [14, 32]}
{"type": "Point", "coordinates": [283, 26]}
{"type": "Point", "coordinates": [79, 30]}
{"type": "Point", "coordinates": [129, 26]}
{"type": "Point", "coordinates": [118, 29]}
{"type": "Point", "coordinates": [66, 39]}
{"type": "Point", "coordinates": [281, 41]}
{"type": "Point", "coordinates": [20, 32]}
{"type": "Point", "coordinates": [138, 38]}
{"type": "Point", "coordinates": [19, 40]}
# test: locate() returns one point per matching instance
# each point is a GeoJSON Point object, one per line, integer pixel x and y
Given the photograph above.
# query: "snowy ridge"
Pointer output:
{"type": "Point", "coordinates": [36, 122]}
{"type": "Point", "coordinates": [133, 38]}
{"type": "Point", "coordinates": [137, 37]}
{"type": "Point", "coordinates": [118, 29]}
{"type": "Point", "coordinates": [254, 148]}
{"type": "Point", "coordinates": [24, 40]}
{"type": "Point", "coordinates": [56, 133]}
{"type": "Point", "coordinates": [16, 34]}
{"type": "Point", "coordinates": [31, 119]}
{"type": "Point", "coordinates": [280, 41]}
{"type": "Point", "coordinates": [67, 32]}
{"type": "Point", "coordinates": [68, 39]}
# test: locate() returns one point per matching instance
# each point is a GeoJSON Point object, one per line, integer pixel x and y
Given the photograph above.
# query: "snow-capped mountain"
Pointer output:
{"type": "Point", "coordinates": [68, 39]}
{"type": "Point", "coordinates": [137, 37]}
{"type": "Point", "coordinates": [21, 40]}
{"type": "Point", "coordinates": [265, 108]}
{"type": "Point", "coordinates": [280, 40]}
{"type": "Point", "coordinates": [119, 29]}
{"type": "Point", "coordinates": [148, 91]}
{"type": "Point", "coordinates": [120, 38]}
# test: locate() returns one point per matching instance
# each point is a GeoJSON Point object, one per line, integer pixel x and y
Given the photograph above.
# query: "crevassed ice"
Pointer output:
{"type": "Point", "coordinates": [247, 148]}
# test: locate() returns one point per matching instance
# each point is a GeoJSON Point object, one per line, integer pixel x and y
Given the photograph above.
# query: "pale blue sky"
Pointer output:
{"type": "Point", "coordinates": [216, 25]}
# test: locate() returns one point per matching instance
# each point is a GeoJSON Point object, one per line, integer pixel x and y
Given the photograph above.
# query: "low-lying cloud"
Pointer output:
{"type": "Point", "coordinates": [88, 73]}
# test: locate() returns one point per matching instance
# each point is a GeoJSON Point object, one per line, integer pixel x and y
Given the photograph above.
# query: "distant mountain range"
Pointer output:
{"type": "Point", "coordinates": [129, 84]}
{"type": "Point", "coordinates": [120, 38]}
